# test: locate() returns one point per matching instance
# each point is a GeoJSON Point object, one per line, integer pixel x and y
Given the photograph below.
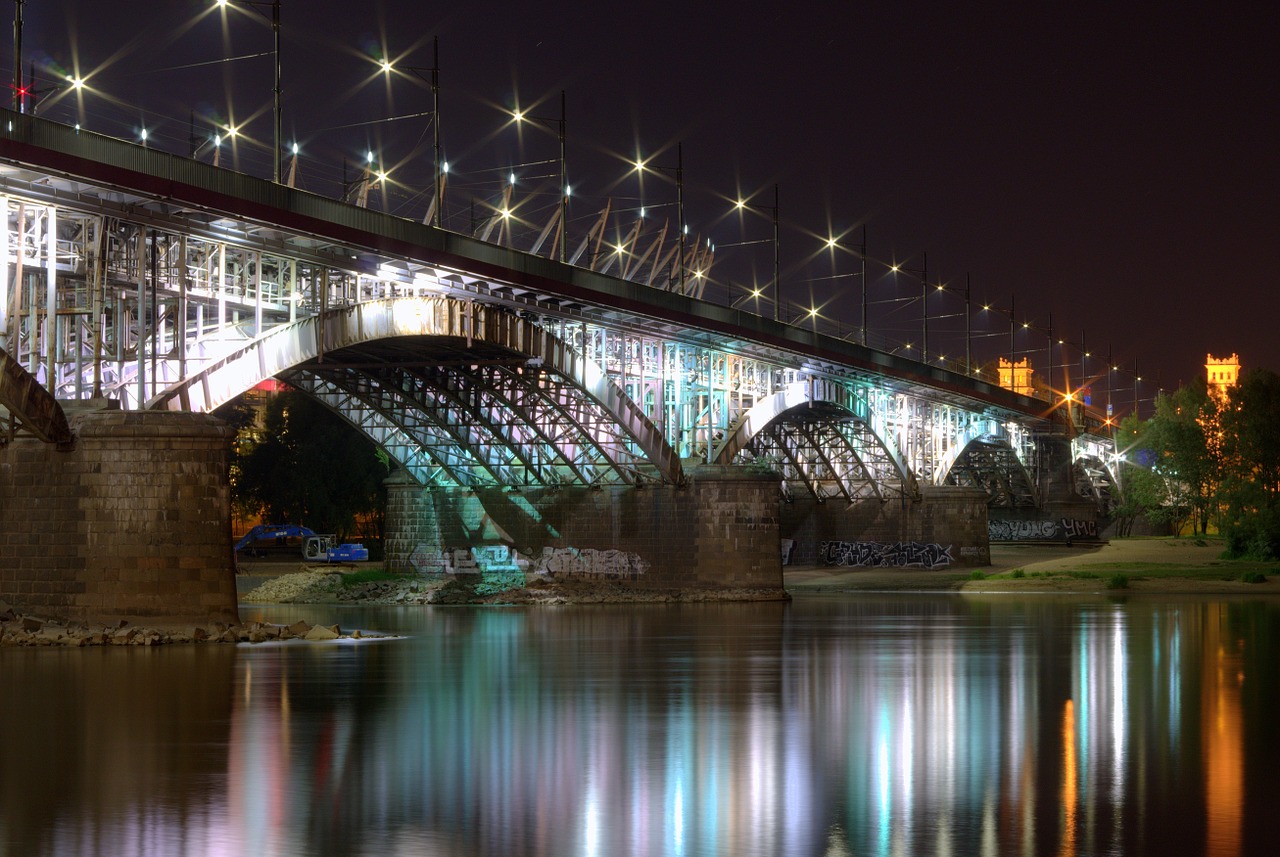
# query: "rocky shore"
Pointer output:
{"type": "Point", "coordinates": [25, 630]}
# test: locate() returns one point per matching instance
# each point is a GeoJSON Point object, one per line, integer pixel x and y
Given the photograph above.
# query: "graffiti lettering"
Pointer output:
{"type": "Point", "coordinates": [589, 562]}
{"type": "Point", "coordinates": [1012, 531]}
{"type": "Point", "coordinates": [1063, 528]}
{"type": "Point", "coordinates": [1075, 529]}
{"type": "Point", "coordinates": [885, 555]}
{"type": "Point", "coordinates": [483, 559]}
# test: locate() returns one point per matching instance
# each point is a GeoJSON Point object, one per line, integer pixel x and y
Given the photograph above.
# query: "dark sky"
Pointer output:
{"type": "Point", "coordinates": [1112, 163]}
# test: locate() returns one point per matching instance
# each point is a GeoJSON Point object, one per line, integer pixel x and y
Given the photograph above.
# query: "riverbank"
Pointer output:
{"type": "Point", "coordinates": [1181, 566]}
{"type": "Point", "coordinates": [1172, 566]}
{"type": "Point", "coordinates": [1185, 566]}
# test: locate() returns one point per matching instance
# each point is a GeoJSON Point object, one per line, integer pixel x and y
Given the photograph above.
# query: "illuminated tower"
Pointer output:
{"type": "Point", "coordinates": [1017, 376]}
{"type": "Point", "coordinates": [1220, 372]}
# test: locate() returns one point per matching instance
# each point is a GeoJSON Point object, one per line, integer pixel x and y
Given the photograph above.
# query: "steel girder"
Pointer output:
{"type": "Point", "coordinates": [427, 452]}
{"type": "Point", "coordinates": [598, 433]}
{"type": "Point", "coordinates": [517, 424]}
{"type": "Point", "coordinates": [989, 463]}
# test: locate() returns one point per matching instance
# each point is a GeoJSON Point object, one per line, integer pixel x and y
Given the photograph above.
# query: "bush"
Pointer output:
{"type": "Point", "coordinates": [977, 575]}
{"type": "Point", "coordinates": [1018, 573]}
{"type": "Point", "coordinates": [1118, 581]}
{"type": "Point", "coordinates": [1254, 536]}
{"type": "Point", "coordinates": [1253, 577]}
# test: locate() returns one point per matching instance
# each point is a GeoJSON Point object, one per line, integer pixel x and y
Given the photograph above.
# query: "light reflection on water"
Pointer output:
{"type": "Point", "coordinates": [857, 725]}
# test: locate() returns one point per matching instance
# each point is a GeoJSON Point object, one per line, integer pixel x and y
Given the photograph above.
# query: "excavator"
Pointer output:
{"type": "Point", "coordinates": [315, 546]}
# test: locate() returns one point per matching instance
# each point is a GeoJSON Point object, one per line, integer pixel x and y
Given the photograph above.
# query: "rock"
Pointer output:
{"type": "Point", "coordinates": [356, 635]}
{"type": "Point", "coordinates": [299, 628]}
{"type": "Point", "coordinates": [31, 625]}
{"type": "Point", "coordinates": [320, 633]}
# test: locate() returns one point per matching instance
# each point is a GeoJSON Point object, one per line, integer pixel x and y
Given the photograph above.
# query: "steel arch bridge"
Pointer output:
{"type": "Point", "coordinates": [159, 282]}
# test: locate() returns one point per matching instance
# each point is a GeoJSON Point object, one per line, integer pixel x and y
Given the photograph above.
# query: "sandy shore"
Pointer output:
{"type": "Point", "coordinates": [1150, 565]}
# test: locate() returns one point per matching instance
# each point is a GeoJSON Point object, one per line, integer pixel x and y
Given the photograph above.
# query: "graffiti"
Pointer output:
{"type": "Point", "coordinates": [489, 560]}
{"type": "Point", "coordinates": [589, 562]}
{"type": "Point", "coordinates": [1012, 531]}
{"type": "Point", "coordinates": [1076, 529]}
{"type": "Point", "coordinates": [485, 559]}
{"type": "Point", "coordinates": [885, 555]}
{"type": "Point", "coordinates": [1063, 528]}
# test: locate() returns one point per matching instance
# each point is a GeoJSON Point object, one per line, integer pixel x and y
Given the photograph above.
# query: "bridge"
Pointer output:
{"type": "Point", "coordinates": [133, 281]}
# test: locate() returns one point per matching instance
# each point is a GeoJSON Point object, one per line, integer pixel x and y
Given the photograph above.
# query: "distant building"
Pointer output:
{"type": "Point", "coordinates": [1221, 373]}
{"type": "Point", "coordinates": [1017, 376]}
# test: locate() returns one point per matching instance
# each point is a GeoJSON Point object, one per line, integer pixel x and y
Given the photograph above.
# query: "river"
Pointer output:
{"type": "Point", "coordinates": [833, 725]}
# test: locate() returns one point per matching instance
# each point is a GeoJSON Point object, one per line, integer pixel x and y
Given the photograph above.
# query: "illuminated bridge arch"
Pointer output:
{"type": "Point", "coordinates": [987, 461]}
{"type": "Point", "coordinates": [31, 407]}
{"type": "Point", "coordinates": [822, 441]}
{"type": "Point", "coordinates": [458, 392]}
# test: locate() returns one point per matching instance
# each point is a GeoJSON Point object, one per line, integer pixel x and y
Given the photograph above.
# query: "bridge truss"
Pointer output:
{"type": "Point", "coordinates": [469, 364]}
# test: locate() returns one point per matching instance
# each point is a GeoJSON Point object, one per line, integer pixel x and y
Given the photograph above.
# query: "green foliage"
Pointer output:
{"type": "Point", "coordinates": [368, 575]}
{"type": "Point", "coordinates": [1018, 573]}
{"type": "Point", "coordinates": [1118, 581]}
{"type": "Point", "coordinates": [1253, 577]}
{"type": "Point", "coordinates": [310, 467]}
{"type": "Point", "coordinates": [1252, 533]}
{"type": "Point", "coordinates": [1251, 450]}
{"type": "Point", "coordinates": [977, 575]}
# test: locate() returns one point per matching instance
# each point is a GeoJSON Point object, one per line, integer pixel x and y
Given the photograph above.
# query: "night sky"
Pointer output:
{"type": "Point", "coordinates": [1112, 164]}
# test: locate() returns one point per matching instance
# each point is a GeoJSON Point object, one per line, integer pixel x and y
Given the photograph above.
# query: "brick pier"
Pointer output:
{"type": "Point", "coordinates": [133, 522]}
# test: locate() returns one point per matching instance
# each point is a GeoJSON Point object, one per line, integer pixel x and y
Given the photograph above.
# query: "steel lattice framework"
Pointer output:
{"type": "Point", "coordinates": [158, 282]}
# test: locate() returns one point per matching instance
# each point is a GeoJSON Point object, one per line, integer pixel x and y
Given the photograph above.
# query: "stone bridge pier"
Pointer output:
{"type": "Point", "coordinates": [719, 530]}
{"type": "Point", "coordinates": [130, 521]}
{"type": "Point", "coordinates": [944, 527]}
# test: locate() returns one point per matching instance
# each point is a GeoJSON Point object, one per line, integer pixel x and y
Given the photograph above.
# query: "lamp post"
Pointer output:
{"type": "Point", "coordinates": [558, 124]}
{"type": "Point", "coordinates": [18, 90]}
{"type": "Point", "coordinates": [440, 166]}
{"type": "Point", "coordinates": [741, 205]}
{"type": "Point", "coordinates": [641, 165]}
{"type": "Point", "coordinates": [275, 30]}
{"type": "Point", "coordinates": [968, 328]}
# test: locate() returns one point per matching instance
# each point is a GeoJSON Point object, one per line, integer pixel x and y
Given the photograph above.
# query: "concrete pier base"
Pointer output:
{"type": "Point", "coordinates": [132, 522]}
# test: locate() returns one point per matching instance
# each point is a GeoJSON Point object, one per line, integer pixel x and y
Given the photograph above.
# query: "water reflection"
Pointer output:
{"type": "Point", "coordinates": [831, 726]}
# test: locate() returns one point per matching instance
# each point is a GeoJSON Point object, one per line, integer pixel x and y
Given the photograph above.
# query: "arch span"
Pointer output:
{"type": "Point", "coordinates": [32, 406]}
{"type": "Point", "coordinates": [437, 373]}
{"type": "Point", "coordinates": [823, 441]}
{"type": "Point", "coordinates": [988, 462]}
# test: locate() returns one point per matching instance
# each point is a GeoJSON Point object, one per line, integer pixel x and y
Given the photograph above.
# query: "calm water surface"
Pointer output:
{"type": "Point", "coordinates": [862, 725]}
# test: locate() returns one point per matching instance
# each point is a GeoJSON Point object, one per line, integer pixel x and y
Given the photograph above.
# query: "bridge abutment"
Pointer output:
{"type": "Point", "coordinates": [946, 527]}
{"type": "Point", "coordinates": [132, 522]}
{"type": "Point", "coordinates": [718, 531]}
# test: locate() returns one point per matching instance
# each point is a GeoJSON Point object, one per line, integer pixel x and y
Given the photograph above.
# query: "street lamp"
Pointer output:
{"type": "Point", "coordinates": [641, 165]}
{"type": "Point", "coordinates": [275, 29]}
{"type": "Point", "coordinates": [923, 274]}
{"type": "Point", "coordinates": [741, 205]}
{"type": "Point", "coordinates": [558, 124]}
{"type": "Point", "coordinates": [18, 90]}
{"type": "Point", "coordinates": [441, 167]}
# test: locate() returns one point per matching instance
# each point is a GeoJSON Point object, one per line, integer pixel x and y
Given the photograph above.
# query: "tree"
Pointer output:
{"type": "Point", "coordinates": [308, 466]}
{"type": "Point", "coordinates": [1251, 459]}
{"type": "Point", "coordinates": [1183, 435]}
